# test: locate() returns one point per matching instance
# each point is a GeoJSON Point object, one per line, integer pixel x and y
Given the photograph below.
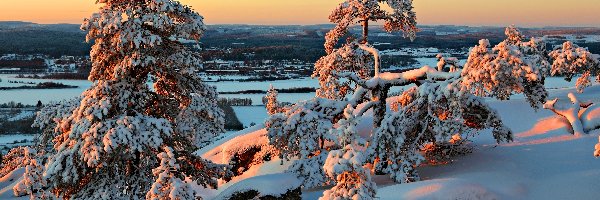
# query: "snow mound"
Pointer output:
{"type": "Point", "coordinates": [224, 151]}
{"type": "Point", "coordinates": [8, 182]}
{"type": "Point", "coordinates": [590, 118]}
{"type": "Point", "coordinates": [437, 189]}
{"type": "Point", "coordinates": [267, 185]}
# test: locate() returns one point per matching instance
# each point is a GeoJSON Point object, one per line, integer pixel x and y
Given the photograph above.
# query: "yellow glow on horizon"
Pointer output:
{"type": "Point", "coordinates": [459, 12]}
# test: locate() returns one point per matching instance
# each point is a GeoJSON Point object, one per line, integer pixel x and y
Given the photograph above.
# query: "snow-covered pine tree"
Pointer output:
{"type": "Point", "coordinates": [351, 12]}
{"type": "Point", "coordinates": [445, 101]}
{"type": "Point", "coordinates": [122, 129]}
{"type": "Point", "coordinates": [303, 132]}
{"type": "Point", "coordinates": [351, 56]}
{"type": "Point", "coordinates": [570, 60]}
{"type": "Point", "coordinates": [33, 182]}
{"type": "Point", "coordinates": [504, 70]}
{"type": "Point", "coordinates": [272, 104]}
{"type": "Point", "coordinates": [346, 166]}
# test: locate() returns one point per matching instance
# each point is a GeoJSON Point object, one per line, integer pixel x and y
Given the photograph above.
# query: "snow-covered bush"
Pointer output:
{"type": "Point", "coordinates": [430, 113]}
{"type": "Point", "coordinates": [108, 145]}
{"type": "Point", "coordinates": [303, 132]}
{"type": "Point", "coordinates": [353, 181]}
{"type": "Point", "coordinates": [505, 70]}
{"type": "Point", "coordinates": [570, 60]}
{"type": "Point", "coordinates": [452, 62]}
{"type": "Point", "coordinates": [33, 182]}
{"type": "Point", "coordinates": [346, 166]}
{"type": "Point", "coordinates": [272, 105]}
{"type": "Point", "coordinates": [14, 159]}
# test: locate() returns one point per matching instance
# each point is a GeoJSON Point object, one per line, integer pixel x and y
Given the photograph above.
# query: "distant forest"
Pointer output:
{"type": "Point", "coordinates": [304, 43]}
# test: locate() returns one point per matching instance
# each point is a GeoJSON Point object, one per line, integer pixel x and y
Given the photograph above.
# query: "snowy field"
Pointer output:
{"type": "Point", "coordinates": [544, 161]}
{"type": "Point", "coordinates": [251, 114]}
{"type": "Point", "coordinates": [45, 95]}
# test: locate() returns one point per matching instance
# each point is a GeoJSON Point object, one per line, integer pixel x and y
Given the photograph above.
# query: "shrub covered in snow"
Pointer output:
{"type": "Point", "coordinates": [570, 60]}
{"type": "Point", "coordinates": [505, 69]}
{"type": "Point", "coordinates": [346, 166]}
{"type": "Point", "coordinates": [33, 182]}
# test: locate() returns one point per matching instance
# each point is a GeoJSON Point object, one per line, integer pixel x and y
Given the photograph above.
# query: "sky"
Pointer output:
{"type": "Point", "coordinates": [530, 13]}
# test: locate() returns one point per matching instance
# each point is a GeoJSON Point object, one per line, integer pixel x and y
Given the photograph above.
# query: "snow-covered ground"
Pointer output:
{"type": "Point", "coordinates": [544, 161]}
{"type": "Point", "coordinates": [251, 114]}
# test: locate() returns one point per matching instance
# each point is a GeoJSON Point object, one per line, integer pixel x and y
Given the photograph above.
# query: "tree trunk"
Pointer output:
{"type": "Point", "coordinates": [365, 25]}
{"type": "Point", "coordinates": [571, 113]}
{"type": "Point", "coordinates": [379, 95]}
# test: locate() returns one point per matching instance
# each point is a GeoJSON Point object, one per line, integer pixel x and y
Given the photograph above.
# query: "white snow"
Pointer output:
{"type": "Point", "coordinates": [272, 184]}
{"type": "Point", "coordinates": [544, 162]}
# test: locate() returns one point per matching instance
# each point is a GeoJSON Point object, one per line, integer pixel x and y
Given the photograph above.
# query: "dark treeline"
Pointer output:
{"type": "Point", "coordinates": [232, 123]}
{"type": "Point", "coordinates": [64, 76]}
{"type": "Point", "coordinates": [287, 90]}
{"type": "Point", "coordinates": [235, 101]}
{"type": "Point", "coordinates": [13, 104]}
{"type": "Point", "coordinates": [55, 43]}
{"type": "Point", "coordinates": [44, 85]}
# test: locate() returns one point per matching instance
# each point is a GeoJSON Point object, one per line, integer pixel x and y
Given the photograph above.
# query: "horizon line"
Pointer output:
{"type": "Point", "coordinates": [321, 24]}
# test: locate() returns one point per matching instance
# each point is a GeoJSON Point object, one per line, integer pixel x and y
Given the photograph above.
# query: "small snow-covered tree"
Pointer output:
{"type": "Point", "coordinates": [443, 62]}
{"type": "Point", "coordinates": [302, 132]}
{"type": "Point", "coordinates": [33, 181]}
{"type": "Point", "coordinates": [169, 185]}
{"type": "Point", "coordinates": [346, 166]}
{"type": "Point", "coordinates": [121, 129]}
{"type": "Point", "coordinates": [570, 60]}
{"type": "Point", "coordinates": [353, 180]}
{"type": "Point", "coordinates": [501, 72]}
{"type": "Point", "coordinates": [430, 113]}
{"type": "Point", "coordinates": [272, 104]}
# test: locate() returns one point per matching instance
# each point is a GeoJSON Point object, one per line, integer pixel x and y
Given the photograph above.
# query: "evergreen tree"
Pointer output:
{"type": "Point", "coordinates": [122, 130]}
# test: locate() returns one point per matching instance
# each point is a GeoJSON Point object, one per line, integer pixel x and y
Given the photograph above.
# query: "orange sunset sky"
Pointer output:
{"type": "Point", "coordinates": [459, 12]}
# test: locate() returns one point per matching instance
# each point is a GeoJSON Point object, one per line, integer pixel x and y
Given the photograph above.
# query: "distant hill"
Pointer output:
{"type": "Point", "coordinates": [51, 39]}
{"type": "Point", "coordinates": [267, 42]}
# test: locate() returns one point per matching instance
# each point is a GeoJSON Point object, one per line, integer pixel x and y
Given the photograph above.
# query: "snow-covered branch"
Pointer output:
{"type": "Point", "coordinates": [571, 113]}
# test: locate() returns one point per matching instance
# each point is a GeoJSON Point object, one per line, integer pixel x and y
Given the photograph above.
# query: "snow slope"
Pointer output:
{"type": "Point", "coordinates": [544, 162]}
